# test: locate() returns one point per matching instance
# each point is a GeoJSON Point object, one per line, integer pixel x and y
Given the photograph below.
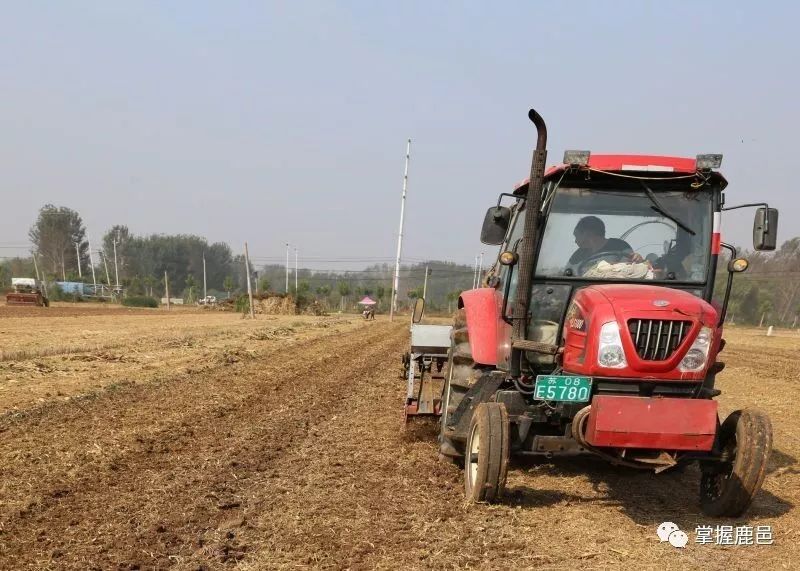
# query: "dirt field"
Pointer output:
{"type": "Point", "coordinates": [190, 440]}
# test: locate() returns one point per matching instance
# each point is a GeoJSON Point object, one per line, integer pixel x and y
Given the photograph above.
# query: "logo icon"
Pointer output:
{"type": "Point", "coordinates": [665, 529]}
{"type": "Point", "coordinates": [669, 531]}
{"type": "Point", "coordinates": [678, 539]}
{"type": "Point", "coordinates": [660, 302]}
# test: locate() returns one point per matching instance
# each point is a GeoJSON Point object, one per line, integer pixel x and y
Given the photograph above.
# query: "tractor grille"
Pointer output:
{"type": "Point", "coordinates": [657, 339]}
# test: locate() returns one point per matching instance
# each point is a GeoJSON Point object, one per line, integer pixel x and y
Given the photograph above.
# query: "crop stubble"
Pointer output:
{"type": "Point", "coordinates": [291, 455]}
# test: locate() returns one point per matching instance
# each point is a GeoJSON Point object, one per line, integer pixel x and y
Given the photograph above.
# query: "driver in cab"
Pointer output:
{"type": "Point", "coordinates": [590, 236]}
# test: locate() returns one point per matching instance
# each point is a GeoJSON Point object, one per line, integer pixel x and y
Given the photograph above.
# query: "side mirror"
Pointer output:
{"type": "Point", "coordinates": [495, 225]}
{"type": "Point", "coordinates": [765, 229]}
{"type": "Point", "coordinates": [419, 309]}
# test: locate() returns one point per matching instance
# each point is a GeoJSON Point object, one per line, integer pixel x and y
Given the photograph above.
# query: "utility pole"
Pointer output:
{"type": "Point", "coordinates": [91, 265]}
{"type": "Point", "coordinates": [295, 271]}
{"type": "Point", "coordinates": [166, 287]}
{"type": "Point", "coordinates": [396, 283]}
{"type": "Point", "coordinates": [480, 271]}
{"type": "Point", "coordinates": [205, 291]}
{"type": "Point", "coordinates": [36, 266]}
{"type": "Point", "coordinates": [425, 283]}
{"type": "Point", "coordinates": [287, 267]}
{"type": "Point", "coordinates": [116, 269]}
{"type": "Point", "coordinates": [105, 263]}
{"type": "Point", "coordinates": [475, 274]}
{"type": "Point", "coordinates": [249, 289]}
{"type": "Point", "coordinates": [78, 254]}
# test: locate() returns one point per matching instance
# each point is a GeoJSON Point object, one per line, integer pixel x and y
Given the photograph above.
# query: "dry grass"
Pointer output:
{"type": "Point", "coordinates": [277, 444]}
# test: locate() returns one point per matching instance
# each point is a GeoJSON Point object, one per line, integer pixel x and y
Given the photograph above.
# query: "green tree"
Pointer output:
{"type": "Point", "coordinates": [135, 286]}
{"type": "Point", "coordinates": [749, 306]}
{"type": "Point", "coordinates": [55, 233]}
{"type": "Point", "coordinates": [303, 288]}
{"type": "Point", "coordinates": [122, 236]}
{"type": "Point", "coordinates": [263, 284]}
{"type": "Point", "coordinates": [451, 297]}
{"type": "Point", "coordinates": [344, 291]}
{"type": "Point", "coordinates": [149, 282]}
{"type": "Point", "coordinates": [323, 291]}
{"type": "Point", "coordinates": [189, 293]}
{"type": "Point", "coordinates": [227, 284]}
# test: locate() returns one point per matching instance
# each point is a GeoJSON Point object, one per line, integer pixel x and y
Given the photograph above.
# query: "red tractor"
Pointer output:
{"type": "Point", "coordinates": [596, 331]}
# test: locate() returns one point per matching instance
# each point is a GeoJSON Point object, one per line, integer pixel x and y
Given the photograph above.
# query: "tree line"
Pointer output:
{"type": "Point", "coordinates": [768, 291]}
{"type": "Point", "coordinates": [61, 252]}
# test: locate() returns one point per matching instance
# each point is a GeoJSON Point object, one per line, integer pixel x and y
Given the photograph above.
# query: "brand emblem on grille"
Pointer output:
{"type": "Point", "coordinates": [660, 302]}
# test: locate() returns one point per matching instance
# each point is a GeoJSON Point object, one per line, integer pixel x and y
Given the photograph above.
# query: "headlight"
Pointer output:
{"type": "Point", "coordinates": [610, 353]}
{"type": "Point", "coordinates": [697, 355]}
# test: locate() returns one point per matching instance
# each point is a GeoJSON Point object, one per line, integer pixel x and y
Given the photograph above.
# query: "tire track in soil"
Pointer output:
{"type": "Point", "coordinates": [169, 473]}
{"type": "Point", "coordinates": [361, 494]}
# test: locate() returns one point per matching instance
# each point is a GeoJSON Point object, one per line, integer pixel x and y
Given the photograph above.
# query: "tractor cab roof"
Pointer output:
{"type": "Point", "coordinates": [650, 166]}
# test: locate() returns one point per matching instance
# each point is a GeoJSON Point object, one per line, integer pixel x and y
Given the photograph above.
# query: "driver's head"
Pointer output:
{"type": "Point", "coordinates": [590, 232]}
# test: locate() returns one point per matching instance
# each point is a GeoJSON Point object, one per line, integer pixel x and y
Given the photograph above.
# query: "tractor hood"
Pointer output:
{"type": "Point", "coordinates": [653, 326]}
{"type": "Point", "coordinates": [625, 298]}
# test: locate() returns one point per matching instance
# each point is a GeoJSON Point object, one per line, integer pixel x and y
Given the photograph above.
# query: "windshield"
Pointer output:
{"type": "Point", "coordinates": [620, 234]}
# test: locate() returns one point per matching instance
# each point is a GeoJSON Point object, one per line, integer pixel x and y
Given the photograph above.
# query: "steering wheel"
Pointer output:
{"type": "Point", "coordinates": [645, 223]}
{"type": "Point", "coordinates": [617, 256]}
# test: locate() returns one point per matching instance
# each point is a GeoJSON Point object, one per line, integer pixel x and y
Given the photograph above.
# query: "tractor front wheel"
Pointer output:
{"type": "Point", "coordinates": [745, 439]}
{"type": "Point", "coordinates": [486, 461]}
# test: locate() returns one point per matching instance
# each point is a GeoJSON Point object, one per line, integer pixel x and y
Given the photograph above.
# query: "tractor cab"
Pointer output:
{"type": "Point", "coordinates": [601, 224]}
{"type": "Point", "coordinates": [597, 329]}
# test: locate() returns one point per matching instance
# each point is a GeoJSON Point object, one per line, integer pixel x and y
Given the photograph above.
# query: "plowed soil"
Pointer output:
{"type": "Point", "coordinates": [278, 444]}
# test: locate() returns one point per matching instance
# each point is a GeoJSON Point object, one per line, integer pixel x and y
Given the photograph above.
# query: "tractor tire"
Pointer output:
{"type": "Point", "coordinates": [460, 376]}
{"type": "Point", "coordinates": [486, 464]}
{"type": "Point", "coordinates": [746, 439]}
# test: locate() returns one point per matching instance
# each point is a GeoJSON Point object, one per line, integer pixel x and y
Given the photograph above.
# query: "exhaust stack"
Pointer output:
{"type": "Point", "coordinates": [530, 238]}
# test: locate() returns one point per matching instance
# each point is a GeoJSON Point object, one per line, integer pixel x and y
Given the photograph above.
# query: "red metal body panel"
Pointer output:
{"type": "Point", "coordinates": [652, 423]}
{"type": "Point", "coordinates": [24, 299]}
{"type": "Point", "coordinates": [623, 163]}
{"type": "Point", "coordinates": [601, 304]}
{"type": "Point", "coordinates": [483, 317]}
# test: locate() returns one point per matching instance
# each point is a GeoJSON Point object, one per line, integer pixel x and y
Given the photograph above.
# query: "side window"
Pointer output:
{"type": "Point", "coordinates": [509, 272]}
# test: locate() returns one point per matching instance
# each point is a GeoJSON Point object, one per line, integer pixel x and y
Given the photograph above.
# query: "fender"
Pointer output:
{"type": "Point", "coordinates": [483, 315]}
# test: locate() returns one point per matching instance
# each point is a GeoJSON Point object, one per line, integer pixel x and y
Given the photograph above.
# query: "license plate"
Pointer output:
{"type": "Point", "coordinates": [562, 388]}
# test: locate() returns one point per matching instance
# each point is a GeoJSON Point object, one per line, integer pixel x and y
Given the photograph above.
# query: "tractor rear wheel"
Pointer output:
{"type": "Point", "coordinates": [460, 376]}
{"type": "Point", "coordinates": [746, 442]}
{"type": "Point", "coordinates": [486, 462]}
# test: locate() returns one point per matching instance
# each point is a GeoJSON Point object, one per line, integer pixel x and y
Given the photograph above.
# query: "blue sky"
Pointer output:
{"type": "Point", "coordinates": [276, 122]}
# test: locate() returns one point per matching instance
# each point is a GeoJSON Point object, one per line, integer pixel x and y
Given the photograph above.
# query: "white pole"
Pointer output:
{"type": "Point", "coordinates": [105, 265]}
{"type": "Point", "coordinates": [425, 284]}
{"type": "Point", "coordinates": [166, 289]}
{"type": "Point", "coordinates": [287, 267]}
{"type": "Point", "coordinates": [396, 283]}
{"type": "Point", "coordinates": [78, 255]}
{"type": "Point", "coordinates": [480, 271]}
{"type": "Point", "coordinates": [205, 292]}
{"type": "Point", "coordinates": [295, 270]}
{"type": "Point", "coordinates": [475, 274]}
{"type": "Point", "coordinates": [249, 289]}
{"type": "Point", "coordinates": [36, 266]}
{"type": "Point", "coordinates": [116, 269]}
{"type": "Point", "coordinates": [91, 265]}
